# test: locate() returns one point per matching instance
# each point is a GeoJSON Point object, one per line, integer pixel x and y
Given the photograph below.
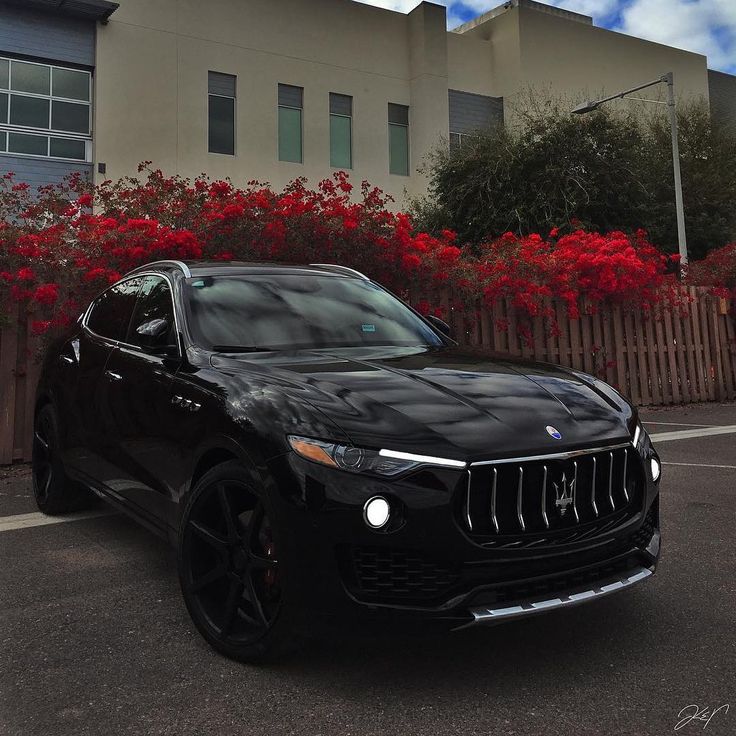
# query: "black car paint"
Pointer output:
{"type": "Point", "coordinates": [128, 439]}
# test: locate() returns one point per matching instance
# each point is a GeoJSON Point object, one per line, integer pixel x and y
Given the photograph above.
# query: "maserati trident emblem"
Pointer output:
{"type": "Point", "coordinates": [563, 494]}
{"type": "Point", "coordinates": [553, 433]}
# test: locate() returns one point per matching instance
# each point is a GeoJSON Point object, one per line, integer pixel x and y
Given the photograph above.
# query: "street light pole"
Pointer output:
{"type": "Point", "coordinates": [679, 206]}
{"type": "Point", "coordinates": [669, 80]}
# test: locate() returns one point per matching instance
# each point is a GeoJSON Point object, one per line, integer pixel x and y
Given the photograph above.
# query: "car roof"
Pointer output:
{"type": "Point", "coordinates": [233, 268]}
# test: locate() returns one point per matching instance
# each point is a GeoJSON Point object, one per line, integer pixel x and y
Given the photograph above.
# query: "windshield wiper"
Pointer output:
{"type": "Point", "coordinates": [241, 349]}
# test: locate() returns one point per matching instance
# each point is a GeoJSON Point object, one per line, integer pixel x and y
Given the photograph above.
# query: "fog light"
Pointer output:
{"type": "Point", "coordinates": [656, 469]}
{"type": "Point", "coordinates": [376, 512]}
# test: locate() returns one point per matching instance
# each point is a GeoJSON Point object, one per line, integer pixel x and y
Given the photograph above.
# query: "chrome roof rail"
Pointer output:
{"type": "Point", "coordinates": [341, 269]}
{"type": "Point", "coordinates": [179, 264]}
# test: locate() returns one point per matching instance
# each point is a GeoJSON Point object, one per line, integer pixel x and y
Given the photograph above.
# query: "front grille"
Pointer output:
{"type": "Point", "coordinates": [554, 499]}
{"type": "Point", "coordinates": [393, 573]}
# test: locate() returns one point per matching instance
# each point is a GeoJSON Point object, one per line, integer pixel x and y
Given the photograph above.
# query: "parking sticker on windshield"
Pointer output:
{"type": "Point", "coordinates": [368, 328]}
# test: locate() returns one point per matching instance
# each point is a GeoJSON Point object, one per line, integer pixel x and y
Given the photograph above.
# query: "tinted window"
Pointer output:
{"type": "Point", "coordinates": [294, 311]}
{"type": "Point", "coordinates": [112, 311]}
{"type": "Point", "coordinates": [154, 302]}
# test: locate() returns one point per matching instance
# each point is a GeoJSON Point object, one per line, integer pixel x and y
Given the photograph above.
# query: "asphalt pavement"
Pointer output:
{"type": "Point", "coordinates": [94, 637]}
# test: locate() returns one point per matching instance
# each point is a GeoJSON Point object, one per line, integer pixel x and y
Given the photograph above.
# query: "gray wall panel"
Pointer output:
{"type": "Point", "coordinates": [470, 112]}
{"type": "Point", "coordinates": [48, 36]}
{"type": "Point", "coordinates": [722, 93]}
{"type": "Point", "coordinates": [221, 84]}
{"type": "Point", "coordinates": [36, 171]}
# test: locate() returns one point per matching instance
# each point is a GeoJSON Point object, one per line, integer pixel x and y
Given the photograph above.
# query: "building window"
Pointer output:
{"type": "Point", "coordinates": [458, 140]}
{"type": "Point", "coordinates": [341, 131]}
{"type": "Point", "coordinates": [221, 113]}
{"type": "Point", "coordinates": [398, 139]}
{"type": "Point", "coordinates": [471, 113]}
{"type": "Point", "coordinates": [45, 110]}
{"type": "Point", "coordinates": [291, 104]}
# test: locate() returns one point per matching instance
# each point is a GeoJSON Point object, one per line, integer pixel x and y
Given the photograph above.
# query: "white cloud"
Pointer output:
{"type": "Point", "coordinates": [703, 26]}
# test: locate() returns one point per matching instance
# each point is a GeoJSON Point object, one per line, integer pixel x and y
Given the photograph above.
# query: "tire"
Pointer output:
{"type": "Point", "coordinates": [235, 585]}
{"type": "Point", "coordinates": [54, 492]}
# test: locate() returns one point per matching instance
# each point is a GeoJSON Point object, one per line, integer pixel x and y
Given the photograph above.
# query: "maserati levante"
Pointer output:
{"type": "Point", "coordinates": [312, 445]}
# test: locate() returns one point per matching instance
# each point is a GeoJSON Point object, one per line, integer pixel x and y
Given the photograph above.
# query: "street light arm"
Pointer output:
{"type": "Point", "coordinates": [593, 104]}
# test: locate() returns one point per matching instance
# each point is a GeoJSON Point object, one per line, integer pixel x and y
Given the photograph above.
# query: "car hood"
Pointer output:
{"type": "Point", "coordinates": [449, 402]}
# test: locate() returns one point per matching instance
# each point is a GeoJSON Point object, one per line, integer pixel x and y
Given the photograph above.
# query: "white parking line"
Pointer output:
{"type": "Point", "coordinates": [686, 434]}
{"type": "Point", "coordinates": [24, 521]}
{"type": "Point", "coordinates": [703, 465]}
{"type": "Point", "coordinates": [678, 424]}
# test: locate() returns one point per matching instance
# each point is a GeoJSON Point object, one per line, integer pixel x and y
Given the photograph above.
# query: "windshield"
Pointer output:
{"type": "Point", "coordinates": [294, 312]}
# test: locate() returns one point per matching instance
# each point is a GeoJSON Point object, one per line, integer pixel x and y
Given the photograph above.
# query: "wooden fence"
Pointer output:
{"type": "Point", "coordinates": [676, 356]}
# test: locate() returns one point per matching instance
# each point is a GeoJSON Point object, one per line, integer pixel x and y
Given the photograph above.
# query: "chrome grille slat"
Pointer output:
{"type": "Point", "coordinates": [545, 518]}
{"type": "Point", "coordinates": [519, 499]}
{"type": "Point", "coordinates": [592, 490]}
{"type": "Point", "coordinates": [610, 481]}
{"type": "Point", "coordinates": [494, 517]}
{"type": "Point", "coordinates": [553, 499]}
{"type": "Point", "coordinates": [468, 517]}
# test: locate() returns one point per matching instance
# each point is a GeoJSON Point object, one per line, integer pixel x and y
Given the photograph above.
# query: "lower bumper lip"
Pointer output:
{"type": "Point", "coordinates": [485, 615]}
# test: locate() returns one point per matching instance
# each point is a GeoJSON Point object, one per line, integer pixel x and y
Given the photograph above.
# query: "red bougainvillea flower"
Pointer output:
{"type": "Point", "coordinates": [46, 294]}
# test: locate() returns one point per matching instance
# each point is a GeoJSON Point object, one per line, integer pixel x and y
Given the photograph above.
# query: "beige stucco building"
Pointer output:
{"type": "Point", "coordinates": [277, 89]}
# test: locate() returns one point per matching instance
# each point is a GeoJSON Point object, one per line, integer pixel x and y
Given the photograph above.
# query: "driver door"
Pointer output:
{"type": "Point", "coordinates": [140, 419]}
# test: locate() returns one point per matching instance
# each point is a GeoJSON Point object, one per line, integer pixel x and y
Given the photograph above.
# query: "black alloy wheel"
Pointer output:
{"type": "Point", "coordinates": [53, 491]}
{"type": "Point", "coordinates": [229, 566]}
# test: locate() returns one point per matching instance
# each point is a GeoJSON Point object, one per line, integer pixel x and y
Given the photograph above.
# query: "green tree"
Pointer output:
{"type": "Point", "coordinates": [611, 169]}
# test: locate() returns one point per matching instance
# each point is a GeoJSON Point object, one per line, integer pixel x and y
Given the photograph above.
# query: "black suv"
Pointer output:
{"type": "Point", "coordinates": [311, 444]}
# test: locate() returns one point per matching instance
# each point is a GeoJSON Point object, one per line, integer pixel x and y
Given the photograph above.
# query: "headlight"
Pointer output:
{"type": "Point", "coordinates": [358, 460]}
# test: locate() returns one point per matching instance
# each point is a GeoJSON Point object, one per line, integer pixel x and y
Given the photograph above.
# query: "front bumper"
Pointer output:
{"type": "Point", "coordinates": [426, 563]}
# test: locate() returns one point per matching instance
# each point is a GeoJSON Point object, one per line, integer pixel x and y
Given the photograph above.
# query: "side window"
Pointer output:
{"type": "Point", "coordinates": [111, 312]}
{"type": "Point", "coordinates": [154, 303]}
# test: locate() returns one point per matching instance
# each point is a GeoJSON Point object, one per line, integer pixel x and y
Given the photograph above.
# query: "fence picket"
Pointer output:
{"type": "Point", "coordinates": [8, 387]}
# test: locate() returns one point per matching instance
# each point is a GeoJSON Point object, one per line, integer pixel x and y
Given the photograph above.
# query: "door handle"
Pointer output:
{"type": "Point", "coordinates": [113, 376]}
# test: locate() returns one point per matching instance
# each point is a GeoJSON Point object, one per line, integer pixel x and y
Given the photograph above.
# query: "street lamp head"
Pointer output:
{"type": "Point", "coordinates": [585, 107]}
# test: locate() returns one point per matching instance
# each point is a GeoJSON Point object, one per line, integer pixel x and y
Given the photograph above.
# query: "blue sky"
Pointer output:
{"type": "Point", "coordinates": [704, 26]}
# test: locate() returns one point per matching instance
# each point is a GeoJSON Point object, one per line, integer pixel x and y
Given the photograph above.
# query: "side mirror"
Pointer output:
{"type": "Point", "coordinates": [439, 324]}
{"type": "Point", "coordinates": [152, 334]}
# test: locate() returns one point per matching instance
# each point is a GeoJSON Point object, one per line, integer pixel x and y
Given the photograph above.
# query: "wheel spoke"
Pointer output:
{"type": "Point", "coordinates": [253, 527]}
{"type": "Point", "coordinates": [42, 441]}
{"type": "Point", "coordinates": [217, 573]}
{"type": "Point", "coordinates": [209, 535]}
{"type": "Point", "coordinates": [232, 529]}
{"type": "Point", "coordinates": [252, 596]}
{"type": "Point", "coordinates": [47, 484]}
{"type": "Point", "coordinates": [231, 606]}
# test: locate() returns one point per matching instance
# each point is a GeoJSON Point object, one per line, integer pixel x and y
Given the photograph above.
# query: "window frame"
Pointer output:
{"type": "Point", "coordinates": [407, 128]}
{"type": "Point", "coordinates": [122, 343]}
{"type": "Point", "coordinates": [139, 300]}
{"type": "Point", "coordinates": [234, 98]}
{"type": "Point", "coordinates": [279, 107]}
{"type": "Point", "coordinates": [48, 133]}
{"type": "Point", "coordinates": [351, 166]}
